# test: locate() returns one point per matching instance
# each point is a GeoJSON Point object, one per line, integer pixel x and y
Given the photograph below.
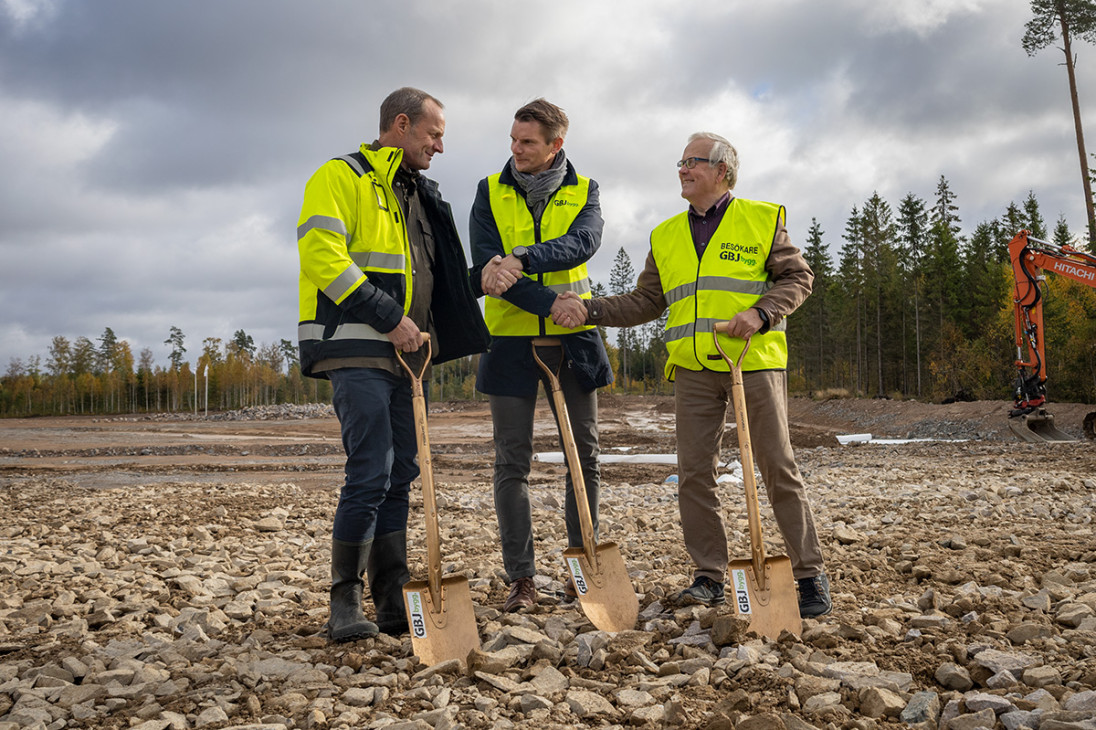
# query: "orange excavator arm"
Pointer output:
{"type": "Point", "coordinates": [1030, 258]}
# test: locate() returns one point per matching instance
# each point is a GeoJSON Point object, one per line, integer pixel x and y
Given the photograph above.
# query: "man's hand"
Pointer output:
{"type": "Point", "coordinates": [499, 274]}
{"type": "Point", "coordinates": [569, 310]}
{"type": "Point", "coordinates": [406, 337]}
{"type": "Point", "coordinates": [744, 324]}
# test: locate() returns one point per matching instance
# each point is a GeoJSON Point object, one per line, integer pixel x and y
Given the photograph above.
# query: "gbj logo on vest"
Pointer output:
{"type": "Point", "coordinates": [558, 203]}
{"type": "Point", "coordinates": [418, 620]}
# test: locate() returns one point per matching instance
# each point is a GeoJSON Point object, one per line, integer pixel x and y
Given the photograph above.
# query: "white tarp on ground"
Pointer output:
{"type": "Point", "coordinates": [846, 439]}
{"type": "Point", "coordinates": [556, 457]}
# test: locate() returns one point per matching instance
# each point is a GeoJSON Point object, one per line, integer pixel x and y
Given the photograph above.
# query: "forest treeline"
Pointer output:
{"type": "Point", "coordinates": [911, 307]}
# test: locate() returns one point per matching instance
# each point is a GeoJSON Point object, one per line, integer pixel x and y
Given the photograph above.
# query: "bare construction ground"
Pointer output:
{"type": "Point", "coordinates": [172, 573]}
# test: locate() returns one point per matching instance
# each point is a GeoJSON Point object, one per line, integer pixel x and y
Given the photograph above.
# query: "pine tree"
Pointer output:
{"type": "Point", "coordinates": [985, 284]}
{"type": "Point", "coordinates": [621, 280]}
{"type": "Point", "coordinates": [851, 278]}
{"type": "Point", "coordinates": [1035, 222]}
{"type": "Point", "coordinates": [912, 236]}
{"type": "Point", "coordinates": [1067, 19]}
{"type": "Point", "coordinates": [175, 339]}
{"type": "Point", "coordinates": [1062, 236]}
{"type": "Point", "coordinates": [1010, 224]}
{"type": "Point", "coordinates": [946, 211]}
{"type": "Point", "coordinates": [878, 230]}
{"type": "Point", "coordinates": [243, 344]}
{"type": "Point", "coordinates": [810, 327]}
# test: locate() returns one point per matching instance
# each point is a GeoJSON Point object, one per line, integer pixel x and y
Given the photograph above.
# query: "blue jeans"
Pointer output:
{"type": "Point", "coordinates": [378, 434]}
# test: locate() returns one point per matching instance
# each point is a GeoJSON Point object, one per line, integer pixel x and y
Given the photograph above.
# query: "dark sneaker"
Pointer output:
{"type": "Point", "coordinates": [814, 596]}
{"type": "Point", "coordinates": [523, 594]}
{"type": "Point", "coordinates": [704, 591]}
{"type": "Point", "coordinates": [570, 593]}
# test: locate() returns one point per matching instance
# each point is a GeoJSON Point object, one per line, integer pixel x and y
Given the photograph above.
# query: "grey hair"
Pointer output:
{"type": "Point", "coordinates": [409, 101]}
{"type": "Point", "coordinates": [722, 151]}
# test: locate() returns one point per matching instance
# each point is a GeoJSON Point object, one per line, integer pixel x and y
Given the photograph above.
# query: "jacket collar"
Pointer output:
{"type": "Point", "coordinates": [386, 162]}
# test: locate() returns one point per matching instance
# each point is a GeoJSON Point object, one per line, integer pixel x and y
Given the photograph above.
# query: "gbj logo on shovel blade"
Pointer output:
{"type": "Point", "coordinates": [576, 574]}
{"type": "Point", "coordinates": [741, 591]}
{"type": "Point", "coordinates": [418, 621]}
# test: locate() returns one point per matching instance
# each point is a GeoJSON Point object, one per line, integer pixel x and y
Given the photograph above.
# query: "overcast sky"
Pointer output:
{"type": "Point", "coordinates": [153, 154]}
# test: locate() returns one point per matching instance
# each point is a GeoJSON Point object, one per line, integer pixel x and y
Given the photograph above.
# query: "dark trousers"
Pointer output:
{"type": "Point", "coordinates": [512, 418]}
{"type": "Point", "coordinates": [378, 434]}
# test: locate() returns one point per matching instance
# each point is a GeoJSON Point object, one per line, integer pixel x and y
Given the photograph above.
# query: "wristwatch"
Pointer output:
{"type": "Point", "coordinates": [521, 253]}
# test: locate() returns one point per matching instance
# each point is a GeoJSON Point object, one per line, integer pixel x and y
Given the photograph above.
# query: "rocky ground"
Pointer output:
{"type": "Point", "coordinates": [172, 573]}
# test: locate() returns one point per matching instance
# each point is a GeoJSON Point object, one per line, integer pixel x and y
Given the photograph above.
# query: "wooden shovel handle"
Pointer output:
{"type": "Point", "coordinates": [745, 448]}
{"type": "Point", "coordinates": [426, 471]}
{"type": "Point", "coordinates": [578, 483]}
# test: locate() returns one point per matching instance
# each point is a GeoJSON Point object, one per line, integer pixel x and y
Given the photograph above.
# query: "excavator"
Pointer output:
{"type": "Point", "coordinates": [1030, 257]}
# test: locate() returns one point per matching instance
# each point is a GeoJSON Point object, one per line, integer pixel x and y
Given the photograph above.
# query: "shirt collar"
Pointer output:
{"type": "Point", "coordinates": [716, 209]}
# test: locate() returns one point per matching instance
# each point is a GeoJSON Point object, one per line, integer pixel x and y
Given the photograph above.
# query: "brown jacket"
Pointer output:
{"type": "Point", "coordinates": [788, 270]}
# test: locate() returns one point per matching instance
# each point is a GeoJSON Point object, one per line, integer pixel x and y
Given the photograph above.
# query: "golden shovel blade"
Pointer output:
{"type": "Point", "coordinates": [604, 591]}
{"type": "Point", "coordinates": [771, 609]}
{"type": "Point", "coordinates": [450, 633]}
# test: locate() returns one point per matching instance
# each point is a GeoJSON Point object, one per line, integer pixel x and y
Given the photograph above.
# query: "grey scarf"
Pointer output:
{"type": "Point", "coordinates": [539, 187]}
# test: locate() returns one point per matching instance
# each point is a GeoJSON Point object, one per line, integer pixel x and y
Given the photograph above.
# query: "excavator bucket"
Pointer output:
{"type": "Point", "coordinates": [1037, 427]}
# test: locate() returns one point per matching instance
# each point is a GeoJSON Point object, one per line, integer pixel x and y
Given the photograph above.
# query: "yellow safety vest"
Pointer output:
{"type": "Point", "coordinates": [517, 228]}
{"type": "Point", "coordinates": [728, 279]}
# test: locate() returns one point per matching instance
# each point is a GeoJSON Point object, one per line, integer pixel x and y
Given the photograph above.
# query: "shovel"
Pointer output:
{"type": "Point", "coordinates": [439, 610]}
{"type": "Point", "coordinates": [601, 580]}
{"type": "Point", "coordinates": [764, 587]}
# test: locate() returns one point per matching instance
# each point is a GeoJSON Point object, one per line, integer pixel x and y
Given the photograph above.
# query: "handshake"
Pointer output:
{"type": "Point", "coordinates": [501, 273]}
{"type": "Point", "coordinates": [569, 310]}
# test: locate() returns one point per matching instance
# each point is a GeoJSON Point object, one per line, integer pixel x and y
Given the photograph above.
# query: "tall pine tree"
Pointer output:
{"type": "Point", "coordinates": [1066, 20]}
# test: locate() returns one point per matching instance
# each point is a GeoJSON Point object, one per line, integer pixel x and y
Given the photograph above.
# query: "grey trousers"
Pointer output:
{"type": "Point", "coordinates": [512, 419]}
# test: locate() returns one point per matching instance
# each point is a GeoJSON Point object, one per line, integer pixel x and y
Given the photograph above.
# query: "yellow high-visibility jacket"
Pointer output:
{"type": "Point", "coordinates": [355, 278]}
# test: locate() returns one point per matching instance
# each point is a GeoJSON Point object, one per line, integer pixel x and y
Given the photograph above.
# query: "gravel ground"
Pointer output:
{"type": "Point", "coordinates": [151, 587]}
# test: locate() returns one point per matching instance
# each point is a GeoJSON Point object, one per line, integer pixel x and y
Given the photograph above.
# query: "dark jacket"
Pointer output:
{"type": "Point", "coordinates": [508, 368]}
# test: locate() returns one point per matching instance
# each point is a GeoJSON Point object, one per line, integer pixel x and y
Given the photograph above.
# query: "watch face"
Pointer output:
{"type": "Point", "coordinates": [519, 251]}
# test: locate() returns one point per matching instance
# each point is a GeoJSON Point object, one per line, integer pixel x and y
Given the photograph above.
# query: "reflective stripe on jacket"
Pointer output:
{"type": "Point", "coordinates": [728, 279]}
{"type": "Point", "coordinates": [517, 227]}
{"type": "Point", "coordinates": [356, 267]}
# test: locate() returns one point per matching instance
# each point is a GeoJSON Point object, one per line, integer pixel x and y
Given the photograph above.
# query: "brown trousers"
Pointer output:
{"type": "Point", "coordinates": [701, 400]}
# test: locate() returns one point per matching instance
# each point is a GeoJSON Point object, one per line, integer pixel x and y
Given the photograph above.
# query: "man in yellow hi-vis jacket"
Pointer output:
{"type": "Point", "coordinates": [533, 227]}
{"type": "Point", "coordinates": [381, 263]}
{"type": "Point", "coordinates": [725, 259]}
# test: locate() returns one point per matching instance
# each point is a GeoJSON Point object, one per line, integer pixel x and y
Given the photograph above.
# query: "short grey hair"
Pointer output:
{"type": "Point", "coordinates": [409, 101]}
{"type": "Point", "coordinates": [722, 151]}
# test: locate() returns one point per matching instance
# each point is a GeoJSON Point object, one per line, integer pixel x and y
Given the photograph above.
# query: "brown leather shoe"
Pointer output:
{"type": "Point", "coordinates": [570, 593]}
{"type": "Point", "coordinates": [523, 594]}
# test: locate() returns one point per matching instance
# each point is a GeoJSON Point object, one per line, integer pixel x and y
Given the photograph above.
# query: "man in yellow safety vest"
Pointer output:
{"type": "Point", "coordinates": [725, 259]}
{"type": "Point", "coordinates": [533, 227]}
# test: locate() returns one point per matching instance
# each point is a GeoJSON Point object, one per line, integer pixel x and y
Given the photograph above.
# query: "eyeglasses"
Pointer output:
{"type": "Point", "coordinates": [690, 162]}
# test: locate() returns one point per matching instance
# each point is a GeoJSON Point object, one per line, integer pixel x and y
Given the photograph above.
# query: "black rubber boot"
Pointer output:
{"type": "Point", "coordinates": [347, 622]}
{"type": "Point", "coordinates": [387, 575]}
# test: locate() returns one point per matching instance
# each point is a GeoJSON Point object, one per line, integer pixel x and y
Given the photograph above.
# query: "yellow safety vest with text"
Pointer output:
{"type": "Point", "coordinates": [728, 279]}
{"type": "Point", "coordinates": [517, 228]}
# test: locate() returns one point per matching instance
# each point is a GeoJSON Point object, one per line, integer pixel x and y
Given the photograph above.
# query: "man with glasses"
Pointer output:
{"type": "Point", "coordinates": [725, 259]}
{"type": "Point", "coordinates": [533, 227]}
